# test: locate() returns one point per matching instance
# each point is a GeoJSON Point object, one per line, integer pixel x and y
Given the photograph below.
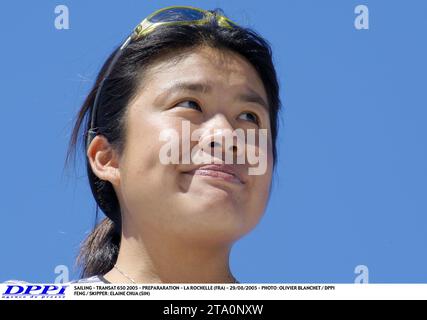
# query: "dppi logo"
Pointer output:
{"type": "Point", "coordinates": [34, 291]}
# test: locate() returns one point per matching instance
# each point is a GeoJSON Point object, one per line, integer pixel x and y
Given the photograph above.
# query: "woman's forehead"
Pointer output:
{"type": "Point", "coordinates": [221, 68]}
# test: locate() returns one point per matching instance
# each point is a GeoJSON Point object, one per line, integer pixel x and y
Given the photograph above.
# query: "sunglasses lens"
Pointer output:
{"type": "Point", "coordinates": [176, 15]}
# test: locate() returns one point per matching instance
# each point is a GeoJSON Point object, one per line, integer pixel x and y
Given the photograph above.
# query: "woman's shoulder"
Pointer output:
{"type": "Point", "coordinates": [94, 279]}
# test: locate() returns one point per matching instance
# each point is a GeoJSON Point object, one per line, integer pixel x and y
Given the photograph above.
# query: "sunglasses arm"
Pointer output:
{"type": "Point", "coordinates": [92, 132]}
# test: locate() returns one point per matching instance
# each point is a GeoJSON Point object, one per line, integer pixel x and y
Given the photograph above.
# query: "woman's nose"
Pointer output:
{"type": "Point", "coordinates": [222, 144]}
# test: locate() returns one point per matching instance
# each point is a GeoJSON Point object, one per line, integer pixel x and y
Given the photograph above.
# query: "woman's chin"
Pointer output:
{"type": "Point", "coordinates": [211, 204]}
{"type": "Point", "coordinates": [212, 199]}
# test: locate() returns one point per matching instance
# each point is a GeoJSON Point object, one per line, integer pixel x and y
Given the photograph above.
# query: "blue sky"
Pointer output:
{"type": "Point", "coordinates": [351, 181]}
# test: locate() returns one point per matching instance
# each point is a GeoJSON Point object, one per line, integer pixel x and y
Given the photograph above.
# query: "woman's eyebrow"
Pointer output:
{"type": "Point", "coordinates": [190, 86]}
{"type": "Point", "coordinates": [252, 96]}
{"type": "Point", "coordinates": [178, 86]}
{"type": "Point", "coordinates": [248, 95]}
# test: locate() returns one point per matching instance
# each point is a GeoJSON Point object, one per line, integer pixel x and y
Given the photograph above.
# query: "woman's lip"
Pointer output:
{"type": "Point", "coordinates": [217, 171]}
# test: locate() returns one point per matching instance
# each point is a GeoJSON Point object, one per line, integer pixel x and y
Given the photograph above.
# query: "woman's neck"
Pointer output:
{"type": "Point", "coordinates": [158, 259]}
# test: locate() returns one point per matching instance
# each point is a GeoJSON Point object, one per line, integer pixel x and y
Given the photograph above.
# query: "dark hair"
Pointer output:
{"type": "Point", "coordinates": [99, 251]}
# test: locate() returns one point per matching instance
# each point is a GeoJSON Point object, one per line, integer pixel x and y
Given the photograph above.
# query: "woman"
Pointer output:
{"type": "Point", "coordinates": [176, 222]}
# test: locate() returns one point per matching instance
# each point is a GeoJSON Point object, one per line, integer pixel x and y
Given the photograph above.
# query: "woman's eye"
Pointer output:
{"type": "Point", "coordinates": [249, 116]}
{"type": "Point", "coordinates": [189, 104]}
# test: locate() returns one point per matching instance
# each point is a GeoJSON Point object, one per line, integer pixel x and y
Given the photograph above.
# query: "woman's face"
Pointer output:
{"type": "Point", "coordinates": [207, 89]}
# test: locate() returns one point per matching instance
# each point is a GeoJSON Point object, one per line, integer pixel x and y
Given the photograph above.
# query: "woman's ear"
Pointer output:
{"type": "Point", "coordinates": [104, 160]}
